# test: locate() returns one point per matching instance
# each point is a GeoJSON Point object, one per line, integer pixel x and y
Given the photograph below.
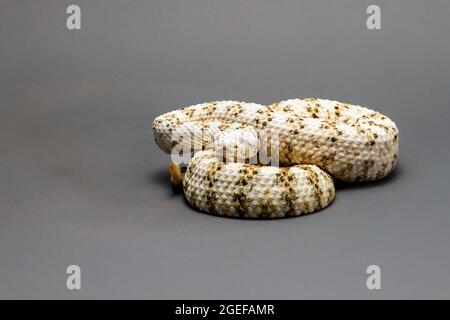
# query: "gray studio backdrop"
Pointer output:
{"type": "Point", "coordinates": [83, 183]}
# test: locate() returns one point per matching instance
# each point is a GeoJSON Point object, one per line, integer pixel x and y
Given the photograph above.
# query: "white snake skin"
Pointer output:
{"type": "Point", "coordinates": [318, 139]}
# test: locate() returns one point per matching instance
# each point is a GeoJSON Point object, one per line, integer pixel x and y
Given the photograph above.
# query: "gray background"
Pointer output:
{"type": "Point", "coordinates": [82, 182]}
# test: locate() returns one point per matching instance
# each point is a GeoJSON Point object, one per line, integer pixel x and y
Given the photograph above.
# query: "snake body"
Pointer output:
{"type": "Point", "coordinates": [318, 140]}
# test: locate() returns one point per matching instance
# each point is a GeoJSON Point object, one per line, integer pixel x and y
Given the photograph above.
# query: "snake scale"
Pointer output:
{"type": "Point", "coordinates": [317, 141]}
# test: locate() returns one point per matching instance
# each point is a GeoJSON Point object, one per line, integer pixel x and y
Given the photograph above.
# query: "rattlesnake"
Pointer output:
{"type": "Point", "coordinates": [317, 140]}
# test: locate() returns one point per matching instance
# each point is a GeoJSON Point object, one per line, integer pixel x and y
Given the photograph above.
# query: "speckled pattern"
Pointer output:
{"type": "Point", "coordinates": [317, 139]}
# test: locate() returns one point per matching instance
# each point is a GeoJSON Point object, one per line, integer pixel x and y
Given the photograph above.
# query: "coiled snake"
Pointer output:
{"type": "Point", "coordinates": [312, 141]}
